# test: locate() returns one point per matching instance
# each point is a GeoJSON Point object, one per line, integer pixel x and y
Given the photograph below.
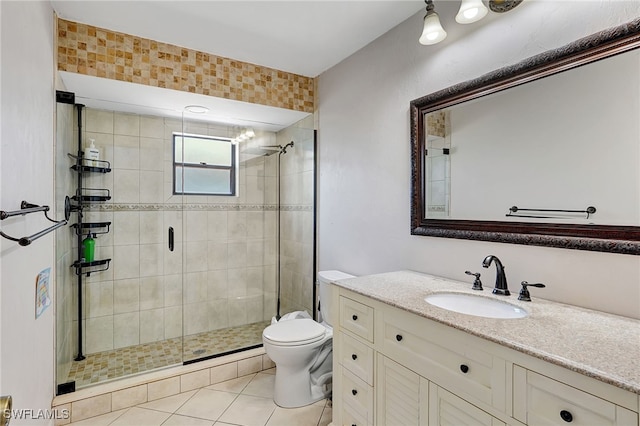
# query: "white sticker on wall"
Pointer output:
{"type": "Point", "coordinates": [43, 300]}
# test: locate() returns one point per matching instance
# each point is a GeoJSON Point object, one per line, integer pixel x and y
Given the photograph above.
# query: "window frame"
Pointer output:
{"type": "Point", "coordinates": [232, 168]}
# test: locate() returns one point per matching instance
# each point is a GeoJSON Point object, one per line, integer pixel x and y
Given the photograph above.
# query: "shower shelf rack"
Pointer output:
{"type": "Point", "coordinates": [86, 196]}
{"type": "Point", "coordinates": [95, 166]}
{"type": "Point", "coordinates": [87, 267]}
{"type": "Point", "coordinates": [83, 197]}
{"type": "Point", "coordinates": [92, 227]}
{"type": "Point", "coordinates": [92, 195]}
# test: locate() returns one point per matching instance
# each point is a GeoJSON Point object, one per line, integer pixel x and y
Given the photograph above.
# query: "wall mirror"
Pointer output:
{"type": "Point", "coordinates": [545, 152]}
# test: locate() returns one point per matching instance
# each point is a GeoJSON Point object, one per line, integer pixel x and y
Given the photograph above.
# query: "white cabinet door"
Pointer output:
{"type": "Point", "coordinates": [446, 409]}
{"type": "Point", "coordinates": [401, 395]}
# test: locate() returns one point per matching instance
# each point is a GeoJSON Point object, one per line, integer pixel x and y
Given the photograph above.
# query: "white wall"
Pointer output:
{"type": "Point", "coordinates": [26, 159]}
{"type": "Point", "coordinates": [364, 153]}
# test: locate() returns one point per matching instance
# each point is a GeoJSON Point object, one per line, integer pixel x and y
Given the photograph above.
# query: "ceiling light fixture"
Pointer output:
{"type": "Point", "coordinates": [196, 109]}
{"type": "Point", "coordinates": [432, 31]}
{"type": "Point", "coordinates": [471, 11]}
{"type": "Point", "coordinates": [244, 134]}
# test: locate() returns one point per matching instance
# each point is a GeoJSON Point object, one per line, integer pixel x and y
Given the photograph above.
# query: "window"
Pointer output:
{"type": "Point", "coordinates": [203, 165]}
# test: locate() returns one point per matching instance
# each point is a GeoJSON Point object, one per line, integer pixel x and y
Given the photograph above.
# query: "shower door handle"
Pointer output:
{"type": "Point", "coordinates": [171, 238]}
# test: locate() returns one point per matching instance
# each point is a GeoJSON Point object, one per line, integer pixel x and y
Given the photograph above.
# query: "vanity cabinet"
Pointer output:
{"type": "Point", "coordinates": [393, 367]}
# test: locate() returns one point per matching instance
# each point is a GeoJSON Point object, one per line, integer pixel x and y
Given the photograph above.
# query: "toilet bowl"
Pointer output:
{"type": "Point", "coordinates": [301, 348]}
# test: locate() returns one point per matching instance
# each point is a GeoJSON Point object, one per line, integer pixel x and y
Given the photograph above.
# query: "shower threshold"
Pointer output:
{"type": "Point", "coordinates": [108, 365]}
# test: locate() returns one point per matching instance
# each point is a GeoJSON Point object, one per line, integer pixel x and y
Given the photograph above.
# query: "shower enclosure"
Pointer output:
{"type": "Point", "coordinates": [193, 273]}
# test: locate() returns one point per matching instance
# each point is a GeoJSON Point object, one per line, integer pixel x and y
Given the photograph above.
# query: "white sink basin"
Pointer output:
{"type": "Point", "coordinates": [475, 305]}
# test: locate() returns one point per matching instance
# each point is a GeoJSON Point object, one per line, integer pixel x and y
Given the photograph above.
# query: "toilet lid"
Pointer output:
{"type": "Point", "coordinates": [298, 331]}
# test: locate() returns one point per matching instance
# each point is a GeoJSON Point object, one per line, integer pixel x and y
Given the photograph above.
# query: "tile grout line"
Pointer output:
{"type": "Point", "coordinates": [225, 410]}
{"type": "Point", "coordinates": [125, 411]}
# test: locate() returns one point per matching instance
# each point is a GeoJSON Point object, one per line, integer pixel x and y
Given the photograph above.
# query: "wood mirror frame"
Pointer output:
{"type": "Point", "coordinates": [605, 238]}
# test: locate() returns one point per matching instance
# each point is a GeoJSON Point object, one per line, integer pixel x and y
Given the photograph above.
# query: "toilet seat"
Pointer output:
{"type": "Point", "coordinates": [294, 332]}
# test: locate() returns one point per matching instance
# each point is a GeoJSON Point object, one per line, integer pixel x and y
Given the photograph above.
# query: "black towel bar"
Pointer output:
{"type": "Point", "coordinates": [26, 208]}
{"type": "Point", "coordinates": [588, 211]}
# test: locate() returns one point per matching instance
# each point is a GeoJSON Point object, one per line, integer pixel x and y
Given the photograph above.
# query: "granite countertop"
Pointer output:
{"type": "Point", "coordinates": [596, 344]}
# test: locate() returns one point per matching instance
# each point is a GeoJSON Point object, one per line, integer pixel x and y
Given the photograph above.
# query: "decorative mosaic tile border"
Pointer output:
{"type": "Point", "coordinates": [112, 207]}
{"type": "Point", "coordinates": [89, 50]}
{"type": "Point", "coordinates": [295, 208]}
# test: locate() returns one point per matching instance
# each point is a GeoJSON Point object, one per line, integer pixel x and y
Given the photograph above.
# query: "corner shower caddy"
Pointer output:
{"type": "Point", "coordinates": [83, 197]}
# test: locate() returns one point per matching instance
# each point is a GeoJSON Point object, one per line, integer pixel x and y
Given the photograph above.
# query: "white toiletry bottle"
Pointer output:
{"type": "Point", "coordinates": [92, 155]}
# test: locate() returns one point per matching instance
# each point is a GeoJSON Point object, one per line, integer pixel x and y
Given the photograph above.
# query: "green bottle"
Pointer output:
{"type": "Point", "coordinates": [89, 245]}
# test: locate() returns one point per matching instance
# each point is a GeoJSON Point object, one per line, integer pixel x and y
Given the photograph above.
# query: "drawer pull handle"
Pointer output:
{"type": "Point", "coordinates": [354, 317]}
{"type": "Point", "coordinates": [464, 368]}
{"type": "Point", "coordinates": [354, 392]}
{"type": "Point", "coordinates": [566, 416]}
{"type": "Point", "coordinates": [354, 357]}
{"type": "Point", "coordinates": [398, 337]}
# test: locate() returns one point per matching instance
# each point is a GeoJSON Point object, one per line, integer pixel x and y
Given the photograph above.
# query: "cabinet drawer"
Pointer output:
{"type": "Point", "coordinates": [445, 356]}
{"type": "Point", "coordinates": [350, 417]}
{"type": "Point", "coordinates": [357, 394]}
{"type": "Point", "coordinates": [356, 357]}
{"type": "Point", "coordinates": [357, 318]}
{"type": "Point", "coordinates": [538, 400]}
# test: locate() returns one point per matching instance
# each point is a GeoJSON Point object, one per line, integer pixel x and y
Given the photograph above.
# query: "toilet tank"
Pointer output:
{"type": "Point", "coordinates": [324, 278]}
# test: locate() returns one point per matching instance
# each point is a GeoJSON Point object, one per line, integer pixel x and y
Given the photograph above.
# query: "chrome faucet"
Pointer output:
{"type": "Point", "coordinates": [501, 278]}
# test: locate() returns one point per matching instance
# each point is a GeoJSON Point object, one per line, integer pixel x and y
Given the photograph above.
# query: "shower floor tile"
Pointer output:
{"type": "Point", "coordinates": [117, 363]}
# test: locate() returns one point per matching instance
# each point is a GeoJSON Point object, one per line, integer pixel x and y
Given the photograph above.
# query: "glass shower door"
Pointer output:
{"type": "Point", "coordinates": [248, 211]}
{"type": "Point", "coordinates": [297, 218]}
{"type": "Point", "coordinates": [224, 241]}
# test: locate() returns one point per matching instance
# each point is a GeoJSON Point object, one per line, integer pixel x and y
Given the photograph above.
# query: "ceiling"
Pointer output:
{"type": "Point", "coordinates": [303, 37]}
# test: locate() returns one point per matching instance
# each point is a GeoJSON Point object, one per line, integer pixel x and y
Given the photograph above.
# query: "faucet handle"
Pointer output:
{"type": "Point", "coordinates": [477, 284]}
{"type": "Point", "coordinates": [524, 293]}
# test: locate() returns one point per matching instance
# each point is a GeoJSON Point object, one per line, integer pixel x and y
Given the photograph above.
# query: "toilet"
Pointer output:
{"type": "Point", "coordinates": [301, 348]}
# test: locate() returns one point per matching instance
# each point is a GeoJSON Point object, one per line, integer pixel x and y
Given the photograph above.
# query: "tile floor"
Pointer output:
{"type": "Point", "coordinates": [122, 362]}
{"type": "Point", "coordinates": [245, 401]}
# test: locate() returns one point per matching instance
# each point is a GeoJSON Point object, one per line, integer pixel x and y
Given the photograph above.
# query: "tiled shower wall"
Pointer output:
{"type": "Point", "coordinates": [227, 243]}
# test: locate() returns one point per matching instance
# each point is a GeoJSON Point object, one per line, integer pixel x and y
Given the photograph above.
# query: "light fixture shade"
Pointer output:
{"type": "Point", "coordinates": [432, 31]}
{"type": "Point", "coordinates": [471, 11]}
{"type": "Point", "coordinates": [196, 109]}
